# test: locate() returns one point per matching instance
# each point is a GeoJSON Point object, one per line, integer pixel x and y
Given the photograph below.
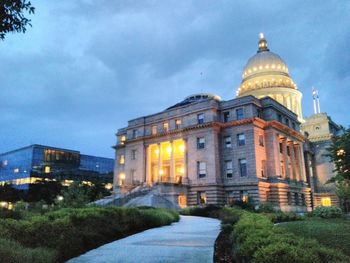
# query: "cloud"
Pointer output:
{"type": "Point", "coordinates": [87, 67]}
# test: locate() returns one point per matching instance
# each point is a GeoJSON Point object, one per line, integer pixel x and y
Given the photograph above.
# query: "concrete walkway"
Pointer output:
{"type": "Point", "coordinates": [190, 240]}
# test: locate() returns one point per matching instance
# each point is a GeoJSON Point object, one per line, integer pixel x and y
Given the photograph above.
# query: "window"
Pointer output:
{"type": "Point", "coordinates": [47, 169]}
{"type": "Point", "coordinates": [281, 147]}
{"type": "Point", "coordinates": [242, 167]}
{"type": "Point", "coordinates": [279, 116]}
{"type": "Point", "coordinates": [296, 198]}
{"type": "Point", "coordinates": [326, 201]}
{"type": "Point", "coordinates": [133, 154]}
{"type": "Point", "coordinates": [202, 198]}
{"type": "Point", "coordinates": [165, 126]}
{"type": "Point", "coordinates": [122, 159]}
{"type": "Point", "coordinates": [293, 125]}
{"type": "Point", "coordinates": [263, 168]}
{"type": "Point", "coordinates": [288, 150]}
{"type": "Point", "coordinates": [154, 130]}
{"type": "Point", "coordinates": [177, 124]}
{"type": "Point", "coordinates": [261, 140]}
{"type": "Point", "coordinates": [289, 198]}
{"type": "Point", "coordinates": [122, 139]}
{"type": "Point", "coordinates": [228, 142]}
{"type": "Point", "coordinates": [226, 116]}
{"type": "Point", "coordinates": [229, 169]}
{"type": "Point", "coordinates": [287, 122]}
{"type": "Point", "coordinates": [134, 134]}
{"type": "Point", "coordinates": [201, 143]}
{"type": "Point", "coordinates": [243, 195]}
{"type": "Point", "coordinates": [16, 170]}
{"type": "Point", "coordinates": [240, 139]}
{"type": "Point", "coordinates": [240, 114]}
{"type": "Point", "coordinates": [200, 118]}
{"type": "Point", "coordinates": [201, 169]}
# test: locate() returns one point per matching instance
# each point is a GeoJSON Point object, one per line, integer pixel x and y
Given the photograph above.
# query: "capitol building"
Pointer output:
{"type": "Point", "coordinates": [204, 150]}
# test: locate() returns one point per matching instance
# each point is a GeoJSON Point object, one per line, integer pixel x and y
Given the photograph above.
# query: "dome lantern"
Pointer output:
{"type": "Point", "coordinates": [262, 43]}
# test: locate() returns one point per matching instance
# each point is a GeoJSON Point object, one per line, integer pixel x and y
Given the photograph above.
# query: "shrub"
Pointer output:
{"type": "Point", "coordinates": [279, 217]}
{"type": "Point", "coordinates": [7, 213]}
{"type": "Point", "coordinates": [266, 207]}
{"type": "Point", "coordinates": [11, 251]}
{"type": "Point", "coordinates": [257, 240]}
{"type": "Point", "coordinates": [327, 212]}
{"type": "Point", "coordinates": [71, 232]}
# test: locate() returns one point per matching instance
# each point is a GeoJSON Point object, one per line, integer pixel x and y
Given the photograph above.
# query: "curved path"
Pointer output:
{"type": "Point", "coordinates": [189, 240]}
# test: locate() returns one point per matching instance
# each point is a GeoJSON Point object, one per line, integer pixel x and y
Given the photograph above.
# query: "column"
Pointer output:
{"type": "Point", "coordinates": [185, 175]}
{"type": "Point", "coordinates": [285, 158]}
{"type": "Point", "coordinates": [277, 151]}
{"type": "Point", "coordinates": [172, 163]}
{"type": "Point", "coordinates": [292, 160]}
{"type": "Point", "coordinates": [301, 163]}
{"type": "Point", "coordinates": [159, 162]}
{"type": "Point", "coordinates": [148, 165]}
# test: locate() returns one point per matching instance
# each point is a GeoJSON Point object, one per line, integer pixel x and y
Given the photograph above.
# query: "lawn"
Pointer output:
{"type": "Point", "coordinates": [333, 233]}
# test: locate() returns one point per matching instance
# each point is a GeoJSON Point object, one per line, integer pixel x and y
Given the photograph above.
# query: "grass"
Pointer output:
{"type": "Point", "coordinates": [333, 233]}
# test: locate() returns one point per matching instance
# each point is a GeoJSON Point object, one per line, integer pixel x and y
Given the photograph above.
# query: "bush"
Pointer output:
{"type": "Point", "coordinates": [71, 232]}
{"type": "Point", "coordinates": [257, 240]}
{"type": "Point", "coordinates": [327, 212]}
{"type": "Point", "coordinates": [7, 213]}
{"type": "Point", "coordinates": [279, 217]}
{"type": "Point", "coordinates": [266, 207]}
{"type": "Point", "coordinates": [11, 251]}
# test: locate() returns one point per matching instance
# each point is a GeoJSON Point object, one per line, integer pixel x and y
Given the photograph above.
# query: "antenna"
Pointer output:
{"type": "Point", "coordinates": [316, 100]}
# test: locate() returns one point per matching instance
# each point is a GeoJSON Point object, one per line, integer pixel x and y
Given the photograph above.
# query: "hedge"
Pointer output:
{"type": "Point", "coordinates": [71, 232]}
{"type": "Point", "coordinates": [257, 240]}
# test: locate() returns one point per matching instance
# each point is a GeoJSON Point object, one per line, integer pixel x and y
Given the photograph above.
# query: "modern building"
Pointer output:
{"type": "Point", "coordinates": [217, 152]}
{"type": "Point", "coordinates": [24, 166]}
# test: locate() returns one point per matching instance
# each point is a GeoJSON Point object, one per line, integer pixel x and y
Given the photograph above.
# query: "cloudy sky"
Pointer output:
{"type": "Point", "coordinates": [88, 66]}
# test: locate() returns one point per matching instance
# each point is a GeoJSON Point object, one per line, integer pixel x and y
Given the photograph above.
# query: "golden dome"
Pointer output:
{"type": "Point", "coordinates": [265, 70]}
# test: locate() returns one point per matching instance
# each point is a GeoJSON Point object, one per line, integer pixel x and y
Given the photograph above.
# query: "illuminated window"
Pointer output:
{"type": "Point", "coordinates": [201, 143]}
{"type": "Point", "coordinates": [182, 201]}
{"type": "Point", "coordinates": [229, 169]}
{"type": "Point", "coordinates": [200, 118]}
{"type": "Point", "coordinates": [326, 201]}
{"type": "Point", "coordinates": [121, 178]}
{"type": "Point", "coordinates": [166, 126]}
{"type": "Point", "coordinates": [242, 167]}
{"type": "Point", "coordinates": [240, 139]}
{"type": "Point", "coordinates": [177, 124]}
{"type": "Point", "coordinates": [228, 142]}
{"type": "Point", "coordinates": [122, 159]}
{"type": "Point", "coordinates": [240, 114]}
{"type": "Point", "coordinates": [202, 198]}
{"type": "Point", "coordinates": [244, 196]}
{"type": "Point", "coordinates": [16, 170]}
{"type": "Point", "coordinates": [47, 169]}
{"type": "Point", "coordinates": [122, 139]}
{"type": "Point", "coordinates": [154, 130]}
{"type": "Point", "coordinates": [201, 169]}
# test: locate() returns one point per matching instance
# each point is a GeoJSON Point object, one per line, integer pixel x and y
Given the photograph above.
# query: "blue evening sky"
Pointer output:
{"type": "Point", "coordinates": [88, 66]}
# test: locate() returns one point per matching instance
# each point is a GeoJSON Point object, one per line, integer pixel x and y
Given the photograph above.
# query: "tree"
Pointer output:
{"type": "Point", "coordinates": [339, 153]}
{"type": "Point", "coordinates": [12, 15]}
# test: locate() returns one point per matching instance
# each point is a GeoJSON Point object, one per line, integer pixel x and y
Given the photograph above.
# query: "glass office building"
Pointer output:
{"type": "Point", "coordinates": [26, 165]}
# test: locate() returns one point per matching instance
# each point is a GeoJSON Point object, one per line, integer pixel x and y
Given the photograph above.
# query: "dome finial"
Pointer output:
{"type": "Point", "coordinates": [262, 43]}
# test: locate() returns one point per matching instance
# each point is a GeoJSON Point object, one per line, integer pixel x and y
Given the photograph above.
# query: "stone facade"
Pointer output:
{"type": "Point", "coordinates": [319, 130]}
{"type": "Point", "coordinates": [231, 150]}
